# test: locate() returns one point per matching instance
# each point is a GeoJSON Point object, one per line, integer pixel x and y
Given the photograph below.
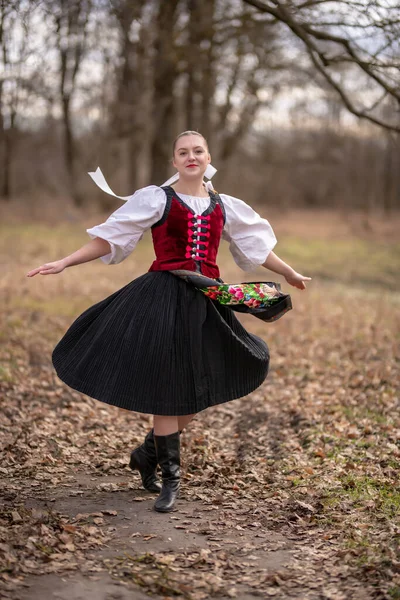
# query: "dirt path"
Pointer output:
{"type": "Point", "coordinates": [136, 530]}
{"type": "Point", "coordinates": [138, 547]}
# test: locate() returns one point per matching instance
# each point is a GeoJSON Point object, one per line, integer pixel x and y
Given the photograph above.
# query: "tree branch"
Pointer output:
{"type": "Point", "coordinates": [307, 34]}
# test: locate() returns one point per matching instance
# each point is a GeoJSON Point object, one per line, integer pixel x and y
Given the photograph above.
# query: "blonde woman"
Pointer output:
{"type": "Point", "coordinates": [160, 345]}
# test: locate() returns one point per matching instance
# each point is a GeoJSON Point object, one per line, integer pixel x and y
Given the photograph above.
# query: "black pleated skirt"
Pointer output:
{"type": "Point", "coordinates": [159, 346]}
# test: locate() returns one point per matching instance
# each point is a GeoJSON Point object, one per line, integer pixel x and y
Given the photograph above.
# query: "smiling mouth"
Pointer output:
{"type": "Point", "coordinates": [191, 166]}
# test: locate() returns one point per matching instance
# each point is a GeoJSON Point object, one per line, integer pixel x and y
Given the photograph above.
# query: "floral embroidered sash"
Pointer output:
{"type": "Point", "coordinates": [263, 299]}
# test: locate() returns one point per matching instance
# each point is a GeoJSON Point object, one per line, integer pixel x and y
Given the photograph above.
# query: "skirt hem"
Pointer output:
{"type": "Point", "coordinates": [218, 399]}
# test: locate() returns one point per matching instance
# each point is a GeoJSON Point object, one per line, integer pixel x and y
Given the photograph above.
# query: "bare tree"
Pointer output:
{"type": "Point", "coordinates": [14, 51]}
{"type": "Point", "coordinates": [7, 16]}
{"type": "Point", "coordinates": [165, 75]}
{"type": "Point", "coordinates": [364, 36]}
{"type": "Point", "coordinates": [133, 80]}
{"type": "Point", "coordinates": [390, 171]}
{"type": "Point", "coordinates": [200, 55]}
{"type": "Point", "coordinates": [250, 57]}
{"type": "Point", "coordinates": [71, 19]}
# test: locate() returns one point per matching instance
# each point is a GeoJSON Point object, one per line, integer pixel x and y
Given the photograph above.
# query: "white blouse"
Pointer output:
{"type": "Point", "coordinates": [250, 237]}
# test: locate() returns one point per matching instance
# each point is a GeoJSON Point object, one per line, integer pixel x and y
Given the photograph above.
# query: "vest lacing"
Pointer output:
{"type": "Point", "coordinates": [198, 229]}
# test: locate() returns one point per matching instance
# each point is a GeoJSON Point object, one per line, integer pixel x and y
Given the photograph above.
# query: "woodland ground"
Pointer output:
{"type": "Point", "coordinates": [291, 492]}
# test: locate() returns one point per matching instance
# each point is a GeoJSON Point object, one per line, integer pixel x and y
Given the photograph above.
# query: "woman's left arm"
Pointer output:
{"type": "Point", "coordinates": [251, 239]}
{"type": "Point", "coordinates": [275, 264]}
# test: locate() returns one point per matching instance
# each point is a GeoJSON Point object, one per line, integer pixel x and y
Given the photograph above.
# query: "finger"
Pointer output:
{"type": "Point", "coordinates": [44, 271]}
{"type": "Point", "coordinates": [33, 272]}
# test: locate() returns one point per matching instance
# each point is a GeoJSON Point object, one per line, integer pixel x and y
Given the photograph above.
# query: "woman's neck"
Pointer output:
{"type": "Point", "coordinates": [190, 188]}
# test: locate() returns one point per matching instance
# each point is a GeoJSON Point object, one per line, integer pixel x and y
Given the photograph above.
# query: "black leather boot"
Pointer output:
{"type": "Point", "coordinates": [144, 460]}
{"type": "Point", "coordinates": [168, 456]}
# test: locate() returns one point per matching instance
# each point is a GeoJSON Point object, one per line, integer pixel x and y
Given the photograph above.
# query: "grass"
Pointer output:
{"type": "Point", "coordinates": [350, 261]}
{"type": "Point", "coordinates": [361, 488]}
{"type": "Point", "coordinates": [58, 306]}
{"type": "Point", "coordinates": [375, 416]}
{"type": "Point", "coordinates": [5, 374]}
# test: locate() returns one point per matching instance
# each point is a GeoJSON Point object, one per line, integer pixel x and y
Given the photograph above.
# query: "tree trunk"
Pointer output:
{"type": "Point", "coordinates": [165, 74]}
{"type": "Point", "coordinates": [68, 138]}
{"type": "Point", "coordinates": [7, 158]}
{"type": "Point", "coordinates": [4, 154]}
{"type": "Point", "coordinates": [5, 143]}
{"type": "Point", "coordinates": [71, 21]}
{"type": "Point", "coordinates": [388, 174]}
{"type": "Point", "coordinates": [208, 79]}
{"type": "Point", "coordinates": [200, 57]}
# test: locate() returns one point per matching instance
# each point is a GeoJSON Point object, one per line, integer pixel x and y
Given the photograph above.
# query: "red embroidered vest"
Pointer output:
{"type": "Point", "coordinates": [184, 240]}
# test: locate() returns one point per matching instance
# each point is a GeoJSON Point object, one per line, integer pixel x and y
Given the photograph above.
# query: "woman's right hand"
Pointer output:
{"type": "Point", "coordinates": [48, 269]}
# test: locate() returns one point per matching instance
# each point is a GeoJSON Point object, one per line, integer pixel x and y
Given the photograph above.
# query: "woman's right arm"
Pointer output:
{"type": "Point", "coordinates": [90, 251]}
{"type": "Point", "coordinates": [114, 240]}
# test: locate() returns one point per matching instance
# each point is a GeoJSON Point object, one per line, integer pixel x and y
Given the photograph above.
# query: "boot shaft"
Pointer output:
{"type": "Point", "coordinates": [168, 455]}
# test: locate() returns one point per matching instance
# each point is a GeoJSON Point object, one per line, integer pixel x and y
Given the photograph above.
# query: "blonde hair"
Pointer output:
{"type": "Point", "coordinates": [187, 133]}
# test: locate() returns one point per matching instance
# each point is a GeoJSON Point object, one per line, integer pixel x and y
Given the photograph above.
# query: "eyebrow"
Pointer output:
{"type": "Point", "coordinates": [183, 148]}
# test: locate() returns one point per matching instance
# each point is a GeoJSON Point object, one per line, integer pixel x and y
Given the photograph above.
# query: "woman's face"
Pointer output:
{"type": "Point", "coordinates": [191, 156]}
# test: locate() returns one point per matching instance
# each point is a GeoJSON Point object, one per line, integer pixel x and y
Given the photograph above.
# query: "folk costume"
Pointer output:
{"type": "Point", "coordinates": [159, 345]}
{"type": "Point", "coordinates": [168, 342]}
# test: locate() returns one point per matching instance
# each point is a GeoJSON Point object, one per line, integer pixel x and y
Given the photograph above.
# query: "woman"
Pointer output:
{"type": "Point", "coordinates": [159, 345]}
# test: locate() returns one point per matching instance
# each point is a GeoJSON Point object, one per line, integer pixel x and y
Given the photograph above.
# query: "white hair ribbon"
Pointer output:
{"type": "Point", "coordinates": [100, 181]}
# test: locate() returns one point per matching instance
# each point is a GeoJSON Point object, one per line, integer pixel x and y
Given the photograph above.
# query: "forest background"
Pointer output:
{"type": "Point", "coordinates": [298, 100]}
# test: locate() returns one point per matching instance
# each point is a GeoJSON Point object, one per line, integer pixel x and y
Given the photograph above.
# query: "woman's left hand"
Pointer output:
{"type": "Point", "coordinates": [297, 280]}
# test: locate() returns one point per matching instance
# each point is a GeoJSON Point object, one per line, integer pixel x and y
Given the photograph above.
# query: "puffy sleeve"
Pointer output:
{"type": "Point", "coordinates": [126, 226]}
{"type": "Point", "coordinates": [251, 238]}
